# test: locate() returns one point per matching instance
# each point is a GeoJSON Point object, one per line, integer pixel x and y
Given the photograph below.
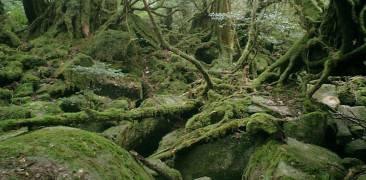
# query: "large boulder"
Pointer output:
{"type": "Point", "coordinates": [309, 128]}
{"type": "Point", "coordinates": [356, 149]}
{"type": "Point", "coordinates": [144, 136]}
{"type": "Point", "coordinates": [104, 81]}
{"type": "Point", "coordinates": [293, 160]}
{"type": "Point", "coordinates": [222, 159]}
{"type": "Point", "coordinates": [66, 153]}
{"type": "Point", "coordinates": [115, 47]}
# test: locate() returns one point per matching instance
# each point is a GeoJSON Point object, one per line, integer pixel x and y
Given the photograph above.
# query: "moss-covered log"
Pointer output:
{"type": "Point", "coordinates": [90, 116]}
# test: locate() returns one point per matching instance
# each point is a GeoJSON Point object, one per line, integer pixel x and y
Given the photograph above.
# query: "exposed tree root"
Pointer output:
{"type": "Point", "coordinates": [90, 116]}
{"type": "Point", "coordinates": [159, 166]}
{"type": "Point", "coordinates": [199, 136]}
{"type": "Point", "coordinates": [191, 59]}
{"type": "Point", "coordinates": [290, 57]}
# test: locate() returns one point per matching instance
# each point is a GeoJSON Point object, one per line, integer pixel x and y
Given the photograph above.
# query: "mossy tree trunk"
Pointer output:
{"type": "Point", "coordinates": [77, 18]}
{"type": "Point", "coordinates": [337, 32]}
{"type": "Point", "coordinates": [224, 30]}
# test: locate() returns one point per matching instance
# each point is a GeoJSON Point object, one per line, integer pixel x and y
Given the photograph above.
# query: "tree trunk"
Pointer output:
{"type": "Point", "coordinates": [77, 18]}
{"type": "Point", "coordinates": [224, 30]}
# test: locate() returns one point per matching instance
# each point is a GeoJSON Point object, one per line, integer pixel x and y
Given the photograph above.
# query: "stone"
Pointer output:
{"type": "Point", "coordinates": [308, 128]}
{"type": "Point", "coordinates": [293, 160]}
{"type": "Point", "coordinates": [66, 153]}
{"type": "Point", "coordinates": [272, 105]}
{"type": "Point", "coordinates": [358, 112]}
{"type": "Point", "coordinates": [222, 159]}
{"type": "Point", "coordinates": [327, 94]}
{"type": "Point", "coordinates": [356, 149]}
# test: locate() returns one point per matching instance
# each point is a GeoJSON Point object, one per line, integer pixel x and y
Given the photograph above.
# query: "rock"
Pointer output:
{"type": "Point", "coordinates": [271, 105]}
{"type": "Point", "coordinates": [170, 139]}
{"type": "Point", "coordinates": [358, 112]}
{"type": "Point", "coordinates": [351, 162]}
{"type": "Point", "coordinates": [66, 153]}
{"type": "Point", "coordinates": [104, 81]}
{"type": "Point", "coordinates": [356, 149]}
{"type": "Point", "coordinates": [14, 112]}
{"type": "Point", "coordinates": [327, 94]}
{"type": "Point", "coordinates": [115, 46]}
{"type": "Point", "coordinates": [362, 177]}
{"type": "Point", "coordinates": [11, 72]}
{"type": "Point", "coordinates": [222, 159]}
{"type": "Point", "coordinates": [262, 123]}
{"type": "Point", "coordinates": [293, 160]}
{"type": "Point", "coordinates": [361, 96]}
{"type": "Point", "coordinates": [5, 94]}
{"type": "Point", "coordinates": [341, 130]}
{"type": "Point", "coordinates": [23, 90]}
{"type": "Point", "coordinates": [57, 89]}
{"type": "Point", "coordinates": [309, 128]}
{"type": "Point", "coordinates": [203, 178]}
{"type": "Point", "coordinates": [144, 136]}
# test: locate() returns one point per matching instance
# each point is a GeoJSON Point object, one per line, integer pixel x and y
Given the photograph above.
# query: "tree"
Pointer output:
{"type": "Point", "coordinates": [338, 35]}
{"type": "Point", "coordinates": [224, 29]}
{"type": "Point", "coordinates": [78, 18]}
{"type": "Point", "coordinates": [6, 35]}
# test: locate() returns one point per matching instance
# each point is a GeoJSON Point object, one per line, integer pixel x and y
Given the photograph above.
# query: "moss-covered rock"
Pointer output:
{"type": "Point", "coordinates": [170, 139]}
{"type": "Point", "coordinates": [11, 72]}
{"type": "Point", "coordinates": [115, 47]}
{"type": "Point", "coordinates": [144, 136]}
{"type": "Point", "coordinates": [57, 89]}
{"type": "Point", "coordinates": [26, 89]}
{"type": "Point", "coordinates": [69, 153]}
{"type": "Point", "coordinates": [309, 128]}
{"type": "Point", "coordinates": [30, 77]}
{"type": "Point", "coordinates": [293, 160]}
{"type": "Point", "coordinates": [262, 123]}
{"type": "Point", "coordinates": [356, 149]}
{"type": "Point", "coordinates": [222, 159]}
{"type": "Point", "coordinates": [41, 108]}
{"type": "Point", "coordinates": [14, 112]}
{"type": "Point", "coordinates": [74, 103]}
{"type": "Point", "coordinates": [104, 81]}
{"type": "Point", "coordinates": [5, 94]}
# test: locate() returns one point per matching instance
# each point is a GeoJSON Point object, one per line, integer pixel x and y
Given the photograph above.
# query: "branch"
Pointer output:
{"type": "Point", "coordinates": [165, 44]}
{"type": "Point", "coordinates": [90, 116]}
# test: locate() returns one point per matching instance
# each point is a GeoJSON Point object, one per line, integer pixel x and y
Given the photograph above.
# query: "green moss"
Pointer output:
{"type": "Point", "coordinates": [30, 77]}
{"type": "Point", "coordinates": [11, 72]}
{"type": "Point", "coordinates": [71, 149]}
{"type": "Point", "coordinates": [118, 104]}
{"type": "Point", "coordinates": [262, 122]}
{"type": "Point", "coordinates": [14, 112]}
{"type": "Point", "coordinates": [29, 61]}
{"type": "Point", "coordinates": [83, 60]}
{"type": "Point", "coordinates": [294, 160]}
{"type": "Point", "coordinates": [23, 90]}
{"type": "Point", "coordinates": [104, 81]}
{"type": "Point", "coordinates": [309, 128]}
{"type": "Point", "coordinates": [57, 89]}
{"type": "Point", "coordinates": [5, 94]}
{"type": "Point", "coordinates": [41, 108]}
{"type": "Point", "coordinates": [222, 159]}
{"type": "Point", "coordinates": [220, 111]}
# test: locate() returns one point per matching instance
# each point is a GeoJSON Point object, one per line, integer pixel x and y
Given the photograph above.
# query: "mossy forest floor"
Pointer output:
{"type": "Point", "coordinates": [112, 107]}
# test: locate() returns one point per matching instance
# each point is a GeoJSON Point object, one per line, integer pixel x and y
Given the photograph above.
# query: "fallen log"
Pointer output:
{"type": "Point", "coordinates": [91, 116]}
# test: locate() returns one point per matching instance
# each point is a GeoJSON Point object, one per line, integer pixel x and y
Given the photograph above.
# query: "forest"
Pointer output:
{"type": "Point", "coordinates": [183, 89]}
